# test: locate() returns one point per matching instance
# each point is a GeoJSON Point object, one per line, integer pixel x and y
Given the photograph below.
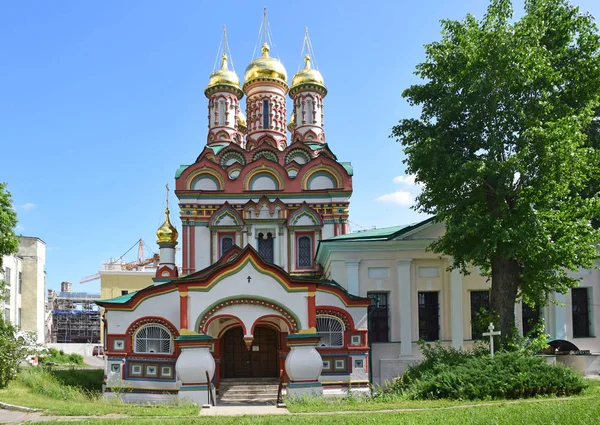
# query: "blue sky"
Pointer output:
{"type": "Point", "coordinates": [100, 102]}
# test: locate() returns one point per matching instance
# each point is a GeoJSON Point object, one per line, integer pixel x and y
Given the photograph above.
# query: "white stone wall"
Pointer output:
{"type": "Point", "coordinates": [33, 252]}
{"type": "Point", "coordinates": [13, 304]}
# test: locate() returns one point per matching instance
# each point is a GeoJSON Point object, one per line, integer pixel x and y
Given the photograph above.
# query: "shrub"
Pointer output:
{"type": "Point", "coordinates": [11, 352]}
{"type": "Point", "coordinates": [474, 375]}
{"type": "Point", "coordinates": [59, 356]}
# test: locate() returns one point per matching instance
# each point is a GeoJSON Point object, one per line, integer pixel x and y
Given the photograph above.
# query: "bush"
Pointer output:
{"type": "Point", "coordinates": [11, 352]}
{"type": "Point", "coordinates": [59, 356]}
{"type": "Point", "coordinates": [473, 375]}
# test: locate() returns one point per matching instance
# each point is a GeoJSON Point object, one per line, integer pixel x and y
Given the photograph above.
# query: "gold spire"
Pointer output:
{"type": "Point", "coordinates": [308, 75]}
{"type": "Point", "coordinates": [266, 67]}
{"type": "Point", "coordinates": [223, 76]}
{"type": "Point", "coordinates": [167, 233]}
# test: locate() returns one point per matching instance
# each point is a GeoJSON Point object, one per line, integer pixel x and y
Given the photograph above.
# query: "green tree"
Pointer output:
{"type": "Point", "coordinates": [11, 349]}
{"type": "Point", "coordinates": [500, 145]}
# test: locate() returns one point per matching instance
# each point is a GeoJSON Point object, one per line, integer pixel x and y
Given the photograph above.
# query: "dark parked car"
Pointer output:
{"type": "Point", "coordinates": [98, 351]}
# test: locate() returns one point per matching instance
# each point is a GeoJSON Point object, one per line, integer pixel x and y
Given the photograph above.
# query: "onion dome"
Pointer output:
{"type": "Point", "coordinates": [308, 76]}
{"type": "Point", "coordinates": [223, 77]}
{"type": "Point", "coordinates": [292, 124]}
{"type": "Point", "coordinates": [266, 68]}
{"type": "Point", "coordinates": [242, 126]}
{"type": "Point", "coordinates": [167, 233]}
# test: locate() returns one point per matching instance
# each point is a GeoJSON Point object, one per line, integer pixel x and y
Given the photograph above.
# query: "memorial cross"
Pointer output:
{"type": "Point", "coordinates": [491, 334]}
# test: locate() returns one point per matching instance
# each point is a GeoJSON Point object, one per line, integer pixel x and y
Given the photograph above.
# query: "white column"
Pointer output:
{"type": "Point", "coordinates": [404, 294]}
{"type": "Point", "coordinates": [352, 268]}
{"type": "Point", "coordinates": [560, 316]}
{"type": "Point", "coordinates": [456, 308]}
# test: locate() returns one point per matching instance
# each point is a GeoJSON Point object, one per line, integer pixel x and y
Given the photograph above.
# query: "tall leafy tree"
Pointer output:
{"type": "Point", "coordinates": [500, 146]}
{"type": "Point", "coordinates": [11, 349]}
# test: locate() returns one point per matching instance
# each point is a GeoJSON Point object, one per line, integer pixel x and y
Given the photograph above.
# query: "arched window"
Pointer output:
{"type": "Point", "coordinates": [309, 111]}
{"type": "Point", "coordinates": [331, 331]}
{"type": "Point", "coordinates": [265, 246]}
{"type": "Point", "coordinates": [226, 244]}
{"type": "Point", "coordinates": [266, 117]}
{"type": "Point", "coordinates": [152, 338]}
{"type": "Point", "coordinates": [222, 112]}
{"type": "Point", "coordinates": [305, 255]}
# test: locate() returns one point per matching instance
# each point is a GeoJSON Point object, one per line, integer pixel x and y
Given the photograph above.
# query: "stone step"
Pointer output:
{"type": "Point", "coordinates": [249, 388]}
{"type": "Point", "coordinates": [249, 397]}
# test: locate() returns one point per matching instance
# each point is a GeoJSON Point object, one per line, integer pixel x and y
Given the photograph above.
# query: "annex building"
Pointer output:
{"type": "Point", "coordinates": [272, 281]}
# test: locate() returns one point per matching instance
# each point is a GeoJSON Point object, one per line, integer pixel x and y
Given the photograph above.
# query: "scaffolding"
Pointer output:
{"type": "Point", "coordinates": [75, 318]}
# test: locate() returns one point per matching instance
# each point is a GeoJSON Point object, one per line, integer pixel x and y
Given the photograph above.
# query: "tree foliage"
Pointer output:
{"type": "Point", "coordinates": [12, 349]}
{"type": "Point", "coordinates": [500, 146]}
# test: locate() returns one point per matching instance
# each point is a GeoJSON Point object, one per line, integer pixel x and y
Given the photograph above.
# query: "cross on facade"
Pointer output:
{"type": "Point", "coordinates": [491, 334]}
{"type": "Point", "coordinates": [249, 279]}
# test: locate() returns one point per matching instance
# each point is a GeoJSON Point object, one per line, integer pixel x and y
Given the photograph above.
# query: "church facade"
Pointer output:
{"type": "Point", "coordinates": [251, 301]}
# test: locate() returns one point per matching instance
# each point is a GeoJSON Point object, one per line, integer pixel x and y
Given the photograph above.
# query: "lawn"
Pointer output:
{"type": "Point", "coordinates": [77, 393]}
{"type": "Point", "coordinates": [577, 411]}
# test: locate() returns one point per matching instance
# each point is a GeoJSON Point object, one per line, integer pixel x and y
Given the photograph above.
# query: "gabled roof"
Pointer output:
{"type": "Point", "coordinates": [383, 234]}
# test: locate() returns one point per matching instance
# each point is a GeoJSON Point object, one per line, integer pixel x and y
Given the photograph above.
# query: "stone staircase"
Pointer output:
{"type": "Point", "coordinates": [248, 391]}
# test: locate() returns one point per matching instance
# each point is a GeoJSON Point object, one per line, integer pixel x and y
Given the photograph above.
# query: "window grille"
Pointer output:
{"type": "Point", "coordinates": [304, 251]}
{"type": "Point", "coordinates": [581, 313]}
{"type": "Point", "coordinates": [429, 316]}
{"type": "Point", "coordinates": [266, 118]}
{"type": "Point", "coordinates": [378, 317]}
{"type": "Point", "coordinates": [331, 331]}
{"type": "Point", "coordinates": [153, 339]}
{"type": "Point", "coordinates": [265, 246]}
{"type": "Point", "coordinates": [226, 244]}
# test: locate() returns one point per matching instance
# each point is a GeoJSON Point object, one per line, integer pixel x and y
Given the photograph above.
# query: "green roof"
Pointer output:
{"type": "Point", "coordinates": [122, 299]}
{"type": "Point", "coordinates": [348, 167]}
{"type": "Point", "coordinates": [383, 234]}
{"type": "Point", "coordinates": [180, 170]}
{"type": "Point", "coordinates": [218, 148]}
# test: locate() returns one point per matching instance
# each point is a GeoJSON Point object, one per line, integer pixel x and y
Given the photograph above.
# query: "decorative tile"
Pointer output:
{"type": "Point", "coordinates": [136, 370]}
{"type": "Point", "coordinates": [355, 340]}
{"type": "Point", "coordinates": [166, 371]}
{"type": "Point", "coordinates": [359, 364]}
{"type": "Point", "coordinates": [151, 370]}
{"type": "Point", "coordinates": [115, 368]}
{"type": "Point", "coordinates": [118, 345]}
{"type": "Point", "coordinates": [340, 364]}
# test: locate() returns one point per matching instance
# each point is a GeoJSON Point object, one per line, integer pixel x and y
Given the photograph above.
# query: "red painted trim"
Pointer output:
{"type": "Point", "coordinates": [183, 310]}
{"type": "Point", "coordinates": [256, 322]}
{"type": "Point", "coordinates": [336, 229]}
{"type": "Point", "coordinates": [322, 309]}
{"type": "Point", "coordinates": [223, 316]}
{"type": "Point", "coordinates": [312, 311]}
{"type": "Point", "coordinates": [152, 319]}
{"type": "Point", "coordinates": [184, 237]}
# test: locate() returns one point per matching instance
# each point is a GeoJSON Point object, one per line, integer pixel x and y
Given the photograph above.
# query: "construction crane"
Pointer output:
{"type": "Point", "coordinates": [139, 263]}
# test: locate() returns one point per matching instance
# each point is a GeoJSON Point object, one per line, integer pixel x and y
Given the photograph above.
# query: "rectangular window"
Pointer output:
{"type": "Point", "coordinates": [20, 283]}
{"type": "Point", "coordinates": [124, 292]}
{"type": "Point", "coordinates": [226, 242]}
{"type": "Point", "coordinates": [7, 275]}
{"type": "Point", "coordinates": [265, 247]}
{"type": "Point", "coordinates": [266, 118]}
{"type": "Point", "coordinates": [480, 305]}
{"type": "Point", "coordinates": [304, 251]}
{"type": "Point", "coordinates": [429, 316]}
{"type": "Point", "coordinates": [7, 314]}
{"type": "Point", "coordinates": [378, 315]}
{"type": "Point", "coordinates": [531, 316]}
{"type": "Point", "coordinates": [580, 308]}
{"type": "Point", "coordinates": [19, 318]}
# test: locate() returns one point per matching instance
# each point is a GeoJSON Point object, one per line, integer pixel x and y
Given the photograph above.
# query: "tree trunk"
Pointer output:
{"type": "Point", "coordinates": [506, 275]}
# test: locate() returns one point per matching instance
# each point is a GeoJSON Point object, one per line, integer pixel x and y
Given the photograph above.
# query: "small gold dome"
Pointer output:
{"type": "Point", "coordinates": [308, 75]}
{"type": "Point", "coordinates": [292, 124]}
{"type": "Point", "coordinates": [242, 121]}
{"type": "Point", "coordinates": [265, 67]}
{"type": "Point", "coordinates": [223, 76]}
{"type": "Point", "coordinates": [167, 233]}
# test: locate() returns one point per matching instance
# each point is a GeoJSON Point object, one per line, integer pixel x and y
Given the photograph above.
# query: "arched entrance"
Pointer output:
{"type": "Point", "coordinates": [260, 361]}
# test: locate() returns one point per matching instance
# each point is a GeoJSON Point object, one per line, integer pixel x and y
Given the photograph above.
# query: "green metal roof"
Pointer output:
{"type": "Point", "coordinates": [122, 299]}
{"type": "Point", "coordinates": [180, 170]}
{"type": "Point", "coordinates": [383, 234]}
{"type": "Point", "coordinates": [217, 149]}
{"type": "Point", "coordinates": [348, 167]}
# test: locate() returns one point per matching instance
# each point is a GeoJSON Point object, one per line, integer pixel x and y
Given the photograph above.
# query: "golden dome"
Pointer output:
{"type": "Point", "coordinates": [167, 233]}
{"type": "Point", "coordinates": [265, 67]}
{"type": "Point", "coordinates": [292, 124]}
{"type": "Point", "coordinates": [242, 121]}
{"type": "Point", "coordinates": [308, 75]}
{"type": "Point", "coordinates": [223, 76]}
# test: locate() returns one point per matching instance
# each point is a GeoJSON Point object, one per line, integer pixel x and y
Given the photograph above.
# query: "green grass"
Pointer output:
{"type": "Point", "coordinates": [77, 393]}
{"type": "Point", "coordinates": [576, 411]}
{"type": "Point", "coordinates": [357, 403]}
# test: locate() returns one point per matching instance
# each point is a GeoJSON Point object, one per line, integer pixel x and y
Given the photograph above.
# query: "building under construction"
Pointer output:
{"type": "Point", "coordinates": [75, 317]}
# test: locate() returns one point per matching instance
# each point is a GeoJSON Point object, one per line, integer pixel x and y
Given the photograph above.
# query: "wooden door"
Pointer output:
{"type": "Point", "coordinates": [258, 362]}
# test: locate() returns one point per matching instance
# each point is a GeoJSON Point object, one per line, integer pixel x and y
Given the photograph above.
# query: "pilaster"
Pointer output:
{"type": "Point", "coordinates": [404, 293]}
{"type": "Point", "coordinates": [456, 308]}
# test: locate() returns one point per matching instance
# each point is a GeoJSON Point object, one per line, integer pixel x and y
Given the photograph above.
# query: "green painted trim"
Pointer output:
{"type": "Point", "coordinates": [238, 297]}
{"type": "Point", "coordinates": [193, 338]}
{"type": "Point", "coordinates": [348, 167]}
{"type": "Point", "coordinates": [302, 336]}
